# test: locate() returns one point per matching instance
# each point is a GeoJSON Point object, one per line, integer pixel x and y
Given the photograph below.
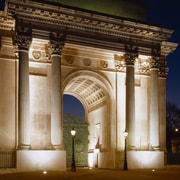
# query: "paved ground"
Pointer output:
{"type": "Point", "coordinates": [92, 174]}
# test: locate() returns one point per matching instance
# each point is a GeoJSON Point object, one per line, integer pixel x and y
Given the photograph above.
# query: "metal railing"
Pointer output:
{"type": "Point", "coordinates": [7, 159]}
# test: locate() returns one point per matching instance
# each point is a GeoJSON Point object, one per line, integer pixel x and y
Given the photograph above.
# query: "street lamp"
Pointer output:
{"type": "Point", "coordinates": [125, 167]}
{"type": "Point", "coordinates": [73, 164]}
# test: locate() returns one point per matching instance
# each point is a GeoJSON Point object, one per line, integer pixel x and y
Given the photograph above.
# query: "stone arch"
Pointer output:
{"type": "Point", "coordinates": [96, 82]}
{"type": "Point", "coordinates": [94, 92]}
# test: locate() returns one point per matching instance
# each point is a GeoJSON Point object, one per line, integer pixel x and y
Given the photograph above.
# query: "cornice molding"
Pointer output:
{"type": "Point", "coordinates": [82, 22]}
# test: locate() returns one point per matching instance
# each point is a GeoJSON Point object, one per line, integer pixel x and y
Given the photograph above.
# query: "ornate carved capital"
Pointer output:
{"type": "Point", "coordinates": [155, 58]}
{"type": "Point", "coordinates": [119, 61]}
{"type": "Point", "coordinates": [131, 53]}
{"type": "Point", "coordinates": [0, 43]}
{"type": "Point", "coordinates": [57, 42]}
{"type": "Point", "coordinates": [23, 38]}
{"type": "Point", "coordinates": [163, 70]}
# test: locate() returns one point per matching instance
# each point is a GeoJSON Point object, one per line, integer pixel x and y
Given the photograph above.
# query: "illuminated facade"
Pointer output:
{"type": "Point", "coordinates": [115, 66]}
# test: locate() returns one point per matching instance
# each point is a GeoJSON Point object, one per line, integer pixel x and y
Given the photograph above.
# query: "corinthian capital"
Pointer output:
{"type": "Point", "coordinates": [56, 43]}
{"type": "Point", "coordinates": [155, 58]}
{"type": "Point", "coordinates": [23, 38]}
{"type": "Point", "coordinates": [131, 53]}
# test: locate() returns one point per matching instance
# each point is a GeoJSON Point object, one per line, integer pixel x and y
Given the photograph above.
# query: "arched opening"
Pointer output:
{"type": "Point", "coordinates": [92, 92]}
{"type": "Point", "coordinates": [73, 115]}
{"type": "Point", "coordinates": [71, 105]}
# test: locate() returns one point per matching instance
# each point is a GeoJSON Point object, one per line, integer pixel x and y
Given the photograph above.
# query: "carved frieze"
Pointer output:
{"type": "Point", "coordinates": [7, 23]}
{"type": "Point", "coordinates": [86, 21]}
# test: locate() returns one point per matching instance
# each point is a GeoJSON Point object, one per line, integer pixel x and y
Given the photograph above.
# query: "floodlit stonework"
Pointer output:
{"type": "Point", "coordinates": [116, 67]}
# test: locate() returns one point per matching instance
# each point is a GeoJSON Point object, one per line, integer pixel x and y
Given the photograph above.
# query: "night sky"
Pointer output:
{"type": "Point", "coordinates": [165, 14]}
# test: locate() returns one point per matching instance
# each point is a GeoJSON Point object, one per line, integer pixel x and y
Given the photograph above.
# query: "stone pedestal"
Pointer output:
{"type": "Point", "coordinates": [145, 159]}
{"type": "Point", "coordinates": [39, 160]}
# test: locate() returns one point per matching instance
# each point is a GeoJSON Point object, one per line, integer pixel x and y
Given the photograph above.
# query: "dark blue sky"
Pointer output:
{"type": "Point", "coordinates": [73, 106]}
{"type": "Point", "coordinates": [165, 14]}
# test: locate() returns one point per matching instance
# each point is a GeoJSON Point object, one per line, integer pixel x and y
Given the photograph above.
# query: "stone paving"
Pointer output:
{"type": "Point", "coordinates": [92, 174]}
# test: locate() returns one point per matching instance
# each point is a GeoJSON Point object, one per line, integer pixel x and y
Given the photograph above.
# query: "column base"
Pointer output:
{"type": "Point", "coordinates": [132, 148]}
{"type": "Point", "coordinates": [57, 147]}
{"type": "Point", "coordinates": [24, 147]}
{"type": "Point", "coordinates": [156, 148]}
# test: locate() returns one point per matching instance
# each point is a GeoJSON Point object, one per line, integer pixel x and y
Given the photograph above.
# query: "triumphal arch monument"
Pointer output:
{"type": "Point", "coordinates": [108, 57]}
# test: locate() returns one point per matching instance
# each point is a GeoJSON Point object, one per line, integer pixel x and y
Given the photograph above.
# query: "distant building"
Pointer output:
{"type": "Point", "coordinates": [104, 54]}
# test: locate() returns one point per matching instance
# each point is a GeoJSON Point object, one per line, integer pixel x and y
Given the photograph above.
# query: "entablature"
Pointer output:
{"type": "Point", "coordinates": [78, 24]}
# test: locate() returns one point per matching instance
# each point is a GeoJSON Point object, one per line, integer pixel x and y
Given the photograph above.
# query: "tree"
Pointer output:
{"type": "Point", "coordinates": [172, 122]}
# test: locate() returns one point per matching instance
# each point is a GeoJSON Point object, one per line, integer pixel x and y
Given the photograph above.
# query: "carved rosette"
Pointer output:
{"type": "Point", "coordinates": [69, 59]}
{"type": "Point", "coordinates": [104, 64]}
{"type": "Point", "coordinates": [87, 61]}
{"type": "Point", "coordinates": [56, 44]}
{"type": "Point", "coordinates": [131, 53]}
{"type": "Point", "coordinates": [36, 55]}
{"type": "Point", "coordinates": [23, 38]}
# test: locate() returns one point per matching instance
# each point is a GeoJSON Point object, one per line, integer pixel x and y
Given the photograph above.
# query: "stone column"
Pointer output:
{"type": "Point", "coordinates": [131, 53]}
{"type": "Point", "coordinates": [23, 40]}
{"type": "Point", "coordinates": [56, 44]}
{"type": "Point", "coordinates": [154, 100]}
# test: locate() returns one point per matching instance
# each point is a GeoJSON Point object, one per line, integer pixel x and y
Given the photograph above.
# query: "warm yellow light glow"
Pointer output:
{"type": "Point", "coordinates": [146, 159]}
{"type": "Point", "coordinates": [176, 129]}
{"type": "Point", "coordinates": [125, 133]}
{"type": "Point", "coordinates": [73, 132]}
{"type": "Point", "coordinates": [91, 160]}
{"type": "Point", "coordinates": [44, 172]}
{"type": "Point", "coordinates": [43, 160]}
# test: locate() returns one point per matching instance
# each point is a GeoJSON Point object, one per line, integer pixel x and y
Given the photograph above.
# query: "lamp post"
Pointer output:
{"type": "Point", "coordinates": [73, 164]}
{"type": "Point", "coordinates": [125, 166]}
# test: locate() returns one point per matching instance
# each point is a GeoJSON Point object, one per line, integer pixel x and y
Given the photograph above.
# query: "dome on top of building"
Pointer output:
{"type": "Point", "coordinates": [130, 9]}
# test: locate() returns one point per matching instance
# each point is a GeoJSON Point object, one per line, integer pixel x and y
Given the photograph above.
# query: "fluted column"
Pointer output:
{"type": "Point", "coordinates": [131, 52]}
{"type": "Point", "coordinates": [154, 100]}
{"type": "Point", "coordinates": [56, 44]}
{"type": "Point", "coordinates": [23, 40]}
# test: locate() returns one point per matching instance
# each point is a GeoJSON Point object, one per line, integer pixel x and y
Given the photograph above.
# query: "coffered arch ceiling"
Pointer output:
{"type": "Point", "coordinates": [89, 90]}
